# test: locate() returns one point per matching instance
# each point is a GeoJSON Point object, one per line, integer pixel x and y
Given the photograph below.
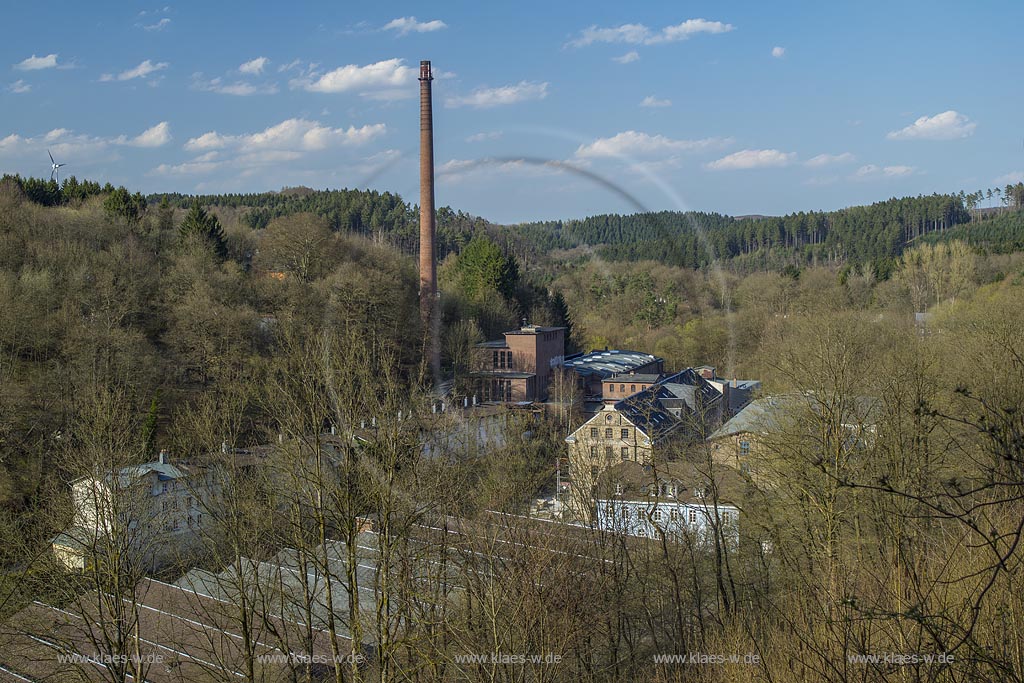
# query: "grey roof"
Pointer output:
{"type": "Point", "coordinates": [534, 329]}
{"type": "Point", "coordinates": [493, 344]}
{"type": "Point", "coordinates": [608, 363]}
{"type": "Point", "coordinates": [758, 417]}
{"type": "Point", "coordinates": [688, 386]}
{"type": "Point", "coordinates": [642, 378]}
{"type": "Point", "coordinates": [647, 413]}
{"type": "Point", "coordinates": [765, 415]}
{"type": "Point", "coordinates": [132, 473]}
{"type": "Point", "coordinates": [640, 482]}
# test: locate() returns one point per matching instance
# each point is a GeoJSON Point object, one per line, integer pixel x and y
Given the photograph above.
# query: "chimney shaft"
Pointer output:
{"type": "Point", "coordinates": [428, 228]}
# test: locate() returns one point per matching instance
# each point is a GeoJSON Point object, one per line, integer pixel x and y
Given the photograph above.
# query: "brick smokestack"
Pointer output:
{"type": "Point", "coordinates": [428, 229]}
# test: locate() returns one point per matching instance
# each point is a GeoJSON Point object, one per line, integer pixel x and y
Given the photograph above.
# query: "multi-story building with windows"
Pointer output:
{"type": "Point", "coordinates": [152, 510]}
{"type": "Point", "coordinates": [641, 428]}
{"type": "Point", "coordinates": [676, 500]}
{"type": "Point", "coordinates": [520, 366]}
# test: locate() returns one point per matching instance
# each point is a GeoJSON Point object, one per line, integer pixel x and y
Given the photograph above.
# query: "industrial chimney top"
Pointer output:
{"type": "Point", "coordinates": [425, 71]}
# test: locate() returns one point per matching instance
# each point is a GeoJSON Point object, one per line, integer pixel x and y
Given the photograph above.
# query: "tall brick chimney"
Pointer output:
{"type": "Point", "coordinates": [428, 229]}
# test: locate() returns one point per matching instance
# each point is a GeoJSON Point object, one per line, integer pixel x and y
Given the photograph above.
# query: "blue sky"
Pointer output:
{"type": "Point", "coordinates": [741, 108]}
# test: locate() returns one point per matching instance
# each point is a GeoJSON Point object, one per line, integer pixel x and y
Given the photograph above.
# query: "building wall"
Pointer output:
{"type": "Point", "coordinates": [164, 516]}
{"type": "Point", "coordinates": [537, 353]}
{"type": "Point", "coordinates": [644, 518]}
{"type": "Point", "coordinates": [615, 390]}
{"type": "Point", "coordinates": [589, 453]}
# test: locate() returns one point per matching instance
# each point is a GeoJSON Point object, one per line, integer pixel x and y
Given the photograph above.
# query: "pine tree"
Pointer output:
{"type": "Point", "coordinates": [198, 223]}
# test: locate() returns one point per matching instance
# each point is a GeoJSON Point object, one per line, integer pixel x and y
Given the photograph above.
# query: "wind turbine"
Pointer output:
{"type": "Point", "coordinates": [54, 174]}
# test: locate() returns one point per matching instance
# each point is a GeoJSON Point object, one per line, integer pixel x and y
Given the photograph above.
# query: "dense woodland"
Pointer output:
{"type": "Point", "coordinates": [131, 324]}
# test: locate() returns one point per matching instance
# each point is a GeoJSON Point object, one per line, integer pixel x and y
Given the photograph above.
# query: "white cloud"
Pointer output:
{"type": "Point", "coordinates": [483, 98]}
{"type": "Point", "coordinates": [1010, 178]}
{"type": "Point", "coordinates": [204, 163]}
{"type": "Point", "coordinates": [291, 135]}
{"type": "Point", "coordinates": [237, 88]}
{"type": "Point", "coordinates": [406, 25]}
{"type": "Point", "coordinates": [652, 101]}
{"type": "Point", "coordinates": [874, 171]}
{"type": "Point", "coordinates": [34, 63]}
{"type": "Point", "coordinates": [639, 34]}
{"type": "Point", "coordinates": [157, 136]}
{"type": "Point", "coordinates": [627, 58]}
{"type": "Point", "coordinates": [141, 71]}
{"type": "Point", "coordinates": [481, 137]}
{"type": "Point", "coordinates": [634, 144]}
{"type": "Point", "coordinates": [158, 26]}
{"type": "Point", "coordinates": [688, 28]}
{"type": "Point", "coordinates": [272, 148]}
{"type": "Point", "coordinates": [778, 52]}
{"type": "Point", "coordinates": [949, 125]}
{"type": "Point", "coordinates": [19, 86]}
{"type": "Point", "coordinates": [752, 158]}
{"type": "Point", "coordinates": [63, 142]}
{"type": "Point", "coordinates": [254, 67]}
{"type": "Point", "coordinates": [211, 140]}
{"type": "Point", "coordinates": [827, 159]}
{"type": "Point", "coordinates": [389, 78]}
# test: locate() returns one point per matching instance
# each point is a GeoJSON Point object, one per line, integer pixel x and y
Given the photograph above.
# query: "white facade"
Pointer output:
{"type": "Point", "coordinates": [677, 519]}
{"type": "Point", "coordinates": [155, 508]}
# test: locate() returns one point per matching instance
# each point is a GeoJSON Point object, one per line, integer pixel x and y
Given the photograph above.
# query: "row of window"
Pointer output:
{"type": "Point", "coordinates": [657, 515]}
{"type": "Point", "coordinates": [609, 432]}
{"type": "Point", "coordinates": [609, 452]}
{"type": "Point", "coordinates": [497, 390]}
{"type": "Point", "coordinates": [632, 388]}
{"type": "Point", "coordinates": [502, 360]}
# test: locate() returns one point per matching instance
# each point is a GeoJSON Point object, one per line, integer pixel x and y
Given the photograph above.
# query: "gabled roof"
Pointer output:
{"type": "Point", "coordinates": [647, 414]}
{"type": "Point", "coordinates": [765, 415]}
{"type": "Point", "coordinates": [688, 386]}
{"type": "Point", "coordinates": [642, 482]}
{"type": "Point", "coordinates": [127, 476]}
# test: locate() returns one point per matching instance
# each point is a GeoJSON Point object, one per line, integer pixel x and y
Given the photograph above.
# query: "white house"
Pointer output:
{"type": "Point", "coordinates": [675, 499]}
{"type": "Point", "coordinates": [154, 509]}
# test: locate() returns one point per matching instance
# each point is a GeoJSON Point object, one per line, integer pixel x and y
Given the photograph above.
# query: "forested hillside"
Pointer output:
{"type": "Point", "coordinates": [865, 236]}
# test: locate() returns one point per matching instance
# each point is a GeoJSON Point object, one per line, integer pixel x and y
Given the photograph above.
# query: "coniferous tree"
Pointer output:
{"type": "Point", "coordinates": [199, 223]}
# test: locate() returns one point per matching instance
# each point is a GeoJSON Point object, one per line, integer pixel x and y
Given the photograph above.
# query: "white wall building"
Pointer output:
{"type": "Point", "coordinates": [674, 499]}
{"type": "Point", "coordinates": [155, 509]}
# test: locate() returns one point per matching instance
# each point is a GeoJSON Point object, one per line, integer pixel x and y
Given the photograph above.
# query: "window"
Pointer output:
{"type": "Point", "coordinates": [608, 417]}
{"type": "Point", "coordinates": [673, 515]}
{"type": "Point", "coordinates": [609, 453]}
{"type": "Point", "coordinates": [593, 432]}
{"type": "Point", "coordinates": [625, 433]}
{"type": "Point", "coordinates": [618, 489]}
{"type": "Point", "coordinates": [495, 363]}
{"type": "Point", "coordinates": [643, 387]}
{"type": "Point", "coordinates": [625, 452]}
{"type": "Point", "coordinates": [632, 388]}
{"type": "Point", "coordinates": [594, 472]}
{"type": "Point", "coordinates": [593, 452]}
{"type": "Point", "coordinates": [622, 388]}
{"type": "Point", "coordinates": [624, 512]}
{"type": "Point", "coordinates": [744, 448]}
{"type": "Point", "coordinates": [608, 433]}
{"type": "Point", "coordinates": [165, 487]}
{"type": "Point", "coordinates": [693, 516]}
{"type": "Point", "coordinates": [639, 514]}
